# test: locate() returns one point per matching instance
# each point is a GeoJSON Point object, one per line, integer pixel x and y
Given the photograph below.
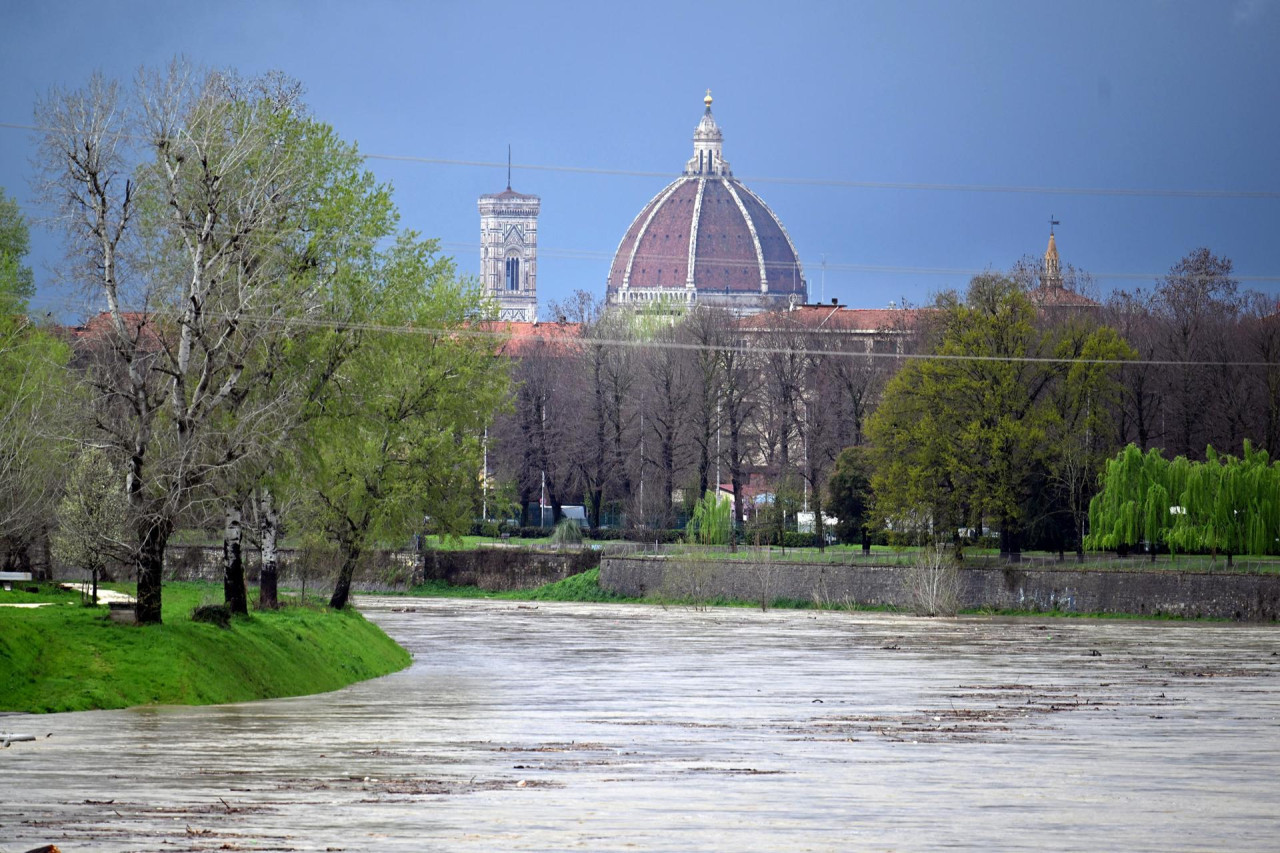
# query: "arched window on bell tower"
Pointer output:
{"type": "Point", "coordinates": [513, 272]}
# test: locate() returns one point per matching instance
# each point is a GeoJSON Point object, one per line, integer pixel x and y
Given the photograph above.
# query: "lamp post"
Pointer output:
{"type": "Point", "coordinates": [805, 436]}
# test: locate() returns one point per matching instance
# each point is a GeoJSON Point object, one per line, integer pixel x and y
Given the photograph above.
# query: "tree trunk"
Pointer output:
{"type": "Point", "coordinates": [233, 588]}
{"type": "Point", "coordinates": [342, 589]}
{"type": "Point", "coordinates": [269, 579]}
{"type": "Point", "coordinates": [1009, 548]}
{"type": "Point", "coordinates": [149, 565]}
{"type": "Point", "coordinates": [595, 497]}
{"type": "Point", "coordinates": [817, 521]}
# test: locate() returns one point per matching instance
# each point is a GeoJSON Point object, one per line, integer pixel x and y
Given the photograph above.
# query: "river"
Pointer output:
{"type": "Point", "coordinates": [616, 727]}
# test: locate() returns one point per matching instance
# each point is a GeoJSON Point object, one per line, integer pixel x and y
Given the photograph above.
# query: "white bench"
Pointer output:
{"type": "Point", "coordinates": [7, 578]}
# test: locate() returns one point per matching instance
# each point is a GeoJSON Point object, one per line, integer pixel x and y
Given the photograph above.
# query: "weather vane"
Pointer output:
{"type": "Point", "coordinates": [1052, 222]}
{"type": "Point", "coordinates": [508, 165]}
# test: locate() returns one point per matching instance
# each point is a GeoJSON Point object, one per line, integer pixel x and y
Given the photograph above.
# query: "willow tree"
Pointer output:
{"type": "Point", "coordinates": [1134, 505]}
{"type": "Point", "coordinates": [1231, 505]}
{"type": "Point", "coordinates": [1224, 504]}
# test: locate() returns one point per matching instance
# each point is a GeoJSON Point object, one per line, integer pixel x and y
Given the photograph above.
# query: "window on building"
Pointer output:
{"type": "Point", "coordinates": [513, 273]}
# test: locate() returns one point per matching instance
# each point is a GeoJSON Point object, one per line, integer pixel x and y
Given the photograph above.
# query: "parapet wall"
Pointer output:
{"type": "Point", "coordinates": [1215, 595]}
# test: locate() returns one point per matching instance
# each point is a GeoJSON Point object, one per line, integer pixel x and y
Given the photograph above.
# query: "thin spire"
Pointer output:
{"type": "Point", "coordinates": [508, 165]}
{"type": "Point", "coordinates": [1052, 222]}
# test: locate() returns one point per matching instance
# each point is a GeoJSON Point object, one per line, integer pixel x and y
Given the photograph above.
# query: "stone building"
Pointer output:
{"type": "Point", "coordinates": [509, 252]}
{"type": "Point", "coordinates": [706, 238]}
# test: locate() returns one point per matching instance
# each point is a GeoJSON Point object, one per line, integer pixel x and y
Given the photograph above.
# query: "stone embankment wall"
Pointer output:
{"type": "Point", "coordinates": [500, 569]}
{"type": "Point", "coordinates": [496, 569]}
{"type": "Point", "coordinates": [1217, 595]}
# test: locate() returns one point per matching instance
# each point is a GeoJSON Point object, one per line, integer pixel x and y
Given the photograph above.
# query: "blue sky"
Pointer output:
{"type": "Point", "coordinates": [1125, 94]}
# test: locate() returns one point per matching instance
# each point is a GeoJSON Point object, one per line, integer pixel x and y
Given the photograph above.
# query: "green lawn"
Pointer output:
{"type": "Point", "coordinates": [67, 657]}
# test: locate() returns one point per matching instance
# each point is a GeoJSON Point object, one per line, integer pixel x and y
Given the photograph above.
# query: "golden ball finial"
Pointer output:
{"type": "Point", "coordinates": [707, 99]}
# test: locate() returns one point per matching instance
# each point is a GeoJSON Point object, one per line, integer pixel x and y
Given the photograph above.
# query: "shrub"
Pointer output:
{"type": "Point", "coordinates": [214, 614]}
{"type": "Point", "coordinates": [933, 583]}
{"type": "Point", "coordinates": [567, 532]}
{"type": "Point", "coordinates": [712, 521]}
{"type": "Point", "coordinates": [791, 539]}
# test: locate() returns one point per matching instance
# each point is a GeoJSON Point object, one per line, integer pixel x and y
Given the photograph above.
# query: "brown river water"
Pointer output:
{"type": "Point", "coordinates": [614, 727]}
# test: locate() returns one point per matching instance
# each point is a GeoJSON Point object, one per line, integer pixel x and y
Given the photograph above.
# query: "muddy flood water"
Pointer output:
{"type": "Point", "coordinates": [602, 727]}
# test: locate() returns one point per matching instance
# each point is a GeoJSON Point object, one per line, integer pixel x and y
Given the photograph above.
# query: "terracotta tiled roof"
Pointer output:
{"type": "Point", "coordinates": [524, 338]}
{"type": "Point", "coordinates": [1059, 297]}
{"type": "Point", "coordinates": [838, 319]}
{"type": "Point", "coordinates": [101, 327]}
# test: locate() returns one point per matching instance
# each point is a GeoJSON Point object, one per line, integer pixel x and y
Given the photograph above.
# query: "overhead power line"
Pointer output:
{"type": "Point", "coordinates": [561, 338]}
{"type": "Point", "coordinates": [683, 258]}
{"type": "Point", "coordinates": [800, 181]}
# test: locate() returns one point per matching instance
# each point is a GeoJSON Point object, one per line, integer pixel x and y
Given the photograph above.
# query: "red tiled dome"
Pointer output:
{"type": "Point", "coordinates": [707, 237]}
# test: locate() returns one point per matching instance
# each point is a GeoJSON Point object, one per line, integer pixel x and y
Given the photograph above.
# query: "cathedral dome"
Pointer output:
{"type": "Point", "coordinates": [707, 238]}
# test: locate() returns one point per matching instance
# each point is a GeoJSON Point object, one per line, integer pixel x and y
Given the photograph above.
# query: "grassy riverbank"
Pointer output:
{"type": "Point", "coordinates": [65, 657]}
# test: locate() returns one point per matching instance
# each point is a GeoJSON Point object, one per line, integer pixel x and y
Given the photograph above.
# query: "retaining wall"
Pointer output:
{"type": "Point", "coordinates": [496, 569]}
{"type": "Point", "coordinates": [1228, 596]}
{"type": "Point", "coordinates": [500, 569]}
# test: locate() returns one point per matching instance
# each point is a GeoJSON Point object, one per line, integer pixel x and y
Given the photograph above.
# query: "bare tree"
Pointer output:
{"type": "Point", "coordinates": [700, 330]}
{"type": "Point", "coordinates": [1140, 414]}
{"type": "Point", "coordinates": [201, 292]}
{"type": "Point", "coordinates": [1261, 321]}
{"type": "Point", "coordinates": [740, 374]}
{"type": "Point", "coordinates": [1194, 306]}
{"type": "Point", "coordinates": [667, 390]}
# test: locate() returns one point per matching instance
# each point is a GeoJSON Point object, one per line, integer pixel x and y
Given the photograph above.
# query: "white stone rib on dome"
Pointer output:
{"type": "Point", "coordinates": [654, 207]}
{"type": "Point", "coordinates": [785, 233]}
{"type": "Point", "coordinates": [755, 235]}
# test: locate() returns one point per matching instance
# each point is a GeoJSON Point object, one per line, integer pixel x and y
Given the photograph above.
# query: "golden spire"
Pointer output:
{"type": "Point", "coordinates": [707, 99]}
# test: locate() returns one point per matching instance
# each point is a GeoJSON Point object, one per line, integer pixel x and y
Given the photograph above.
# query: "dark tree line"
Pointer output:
{"type": "Point", "coordinates": [637, 416]}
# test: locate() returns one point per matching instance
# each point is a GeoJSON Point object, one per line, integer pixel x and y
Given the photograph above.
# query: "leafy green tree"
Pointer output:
{"type": "Point", "coordinates": [395, 436]}
{"type": "Point", "coordinates": [35, 394]}
{"type": "Point", "coordinates": [16, 282]}
{"type": "Point", "coordinates": [970, 435]}
{"type": "Point", "coordinates": [850, 496]}
{"type": "Point", "coordinates": [92, 531]}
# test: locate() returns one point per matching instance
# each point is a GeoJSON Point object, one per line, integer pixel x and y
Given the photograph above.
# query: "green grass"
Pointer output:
{"type": "Point", "coordinates": [67, 657]}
